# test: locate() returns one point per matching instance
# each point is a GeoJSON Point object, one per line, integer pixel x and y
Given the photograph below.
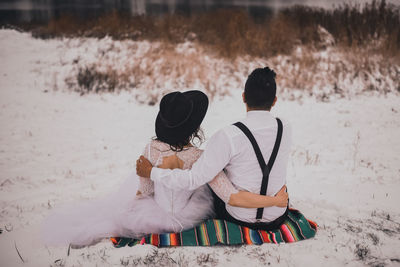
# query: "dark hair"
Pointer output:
{"type": "Point", "coordinates": [179, 146]}
{"type": "Point", "coordinates": [260, 88]}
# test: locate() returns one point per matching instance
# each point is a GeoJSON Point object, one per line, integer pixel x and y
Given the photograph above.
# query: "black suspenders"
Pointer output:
{"type": "Point", "coordinates": [265, 168]}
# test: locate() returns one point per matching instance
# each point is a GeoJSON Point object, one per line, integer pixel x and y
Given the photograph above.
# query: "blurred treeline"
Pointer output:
{"type": "Point", "coordinates": [232, 32]}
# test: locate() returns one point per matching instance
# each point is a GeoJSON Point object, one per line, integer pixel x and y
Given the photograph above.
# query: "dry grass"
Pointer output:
{"type": "Point", "coordinates": [341, 72]}
{"type": "Point", "coordinates": [154, 68]}
{"type": "Point", "coordinates": [232, 32]}
{"type": "Point", "coordinates": [160, 68]}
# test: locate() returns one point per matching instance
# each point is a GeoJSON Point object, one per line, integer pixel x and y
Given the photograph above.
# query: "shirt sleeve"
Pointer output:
{"type": "Point", "coordinates": [215, 157]}
{"type": "Point", "coordinates": [223, 187]}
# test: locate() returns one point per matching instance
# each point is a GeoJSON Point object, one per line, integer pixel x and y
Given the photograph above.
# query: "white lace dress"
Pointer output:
{"type": "Point", "coordinates": [156, 210]}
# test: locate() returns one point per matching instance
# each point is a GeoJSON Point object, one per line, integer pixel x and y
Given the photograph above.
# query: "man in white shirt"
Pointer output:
{"type": "Point", "coordinates": [229, 149]}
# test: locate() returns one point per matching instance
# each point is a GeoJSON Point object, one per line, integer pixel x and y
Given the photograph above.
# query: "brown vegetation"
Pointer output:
{"type": "Point", "coordinates": [233, 32]}
{"type": "Point", "coordinates": [152, 69]}
{"type": "Point", "coordinates": [159, 65]}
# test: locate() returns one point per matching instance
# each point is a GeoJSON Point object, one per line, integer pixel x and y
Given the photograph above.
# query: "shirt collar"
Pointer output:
{"type": "Point", "coordinates": [258, 113]}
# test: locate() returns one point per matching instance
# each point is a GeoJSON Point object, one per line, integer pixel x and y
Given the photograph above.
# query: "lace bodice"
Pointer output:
{"type": "Point", "coordinates": [156, 150]}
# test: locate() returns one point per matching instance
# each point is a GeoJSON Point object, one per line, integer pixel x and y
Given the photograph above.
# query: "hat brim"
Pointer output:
{"type": "Point", "coordinates": [179, 134]}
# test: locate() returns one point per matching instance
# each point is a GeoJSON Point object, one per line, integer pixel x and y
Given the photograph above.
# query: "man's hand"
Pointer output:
{"type": "Point", "coordinates": [143, 167]}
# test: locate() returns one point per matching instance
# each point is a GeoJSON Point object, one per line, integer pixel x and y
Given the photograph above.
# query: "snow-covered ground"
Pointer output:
{"type": "Point", "coordinates": [58, 147]}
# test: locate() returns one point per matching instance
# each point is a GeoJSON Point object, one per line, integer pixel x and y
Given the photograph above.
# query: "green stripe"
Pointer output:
{"type": "Point", "coordinates": [302, 226]}
{"type": "Point", "coordinates": [212, 234]}
{"type": "Point", "coordinates": [189, 237]}
{"type": "Point", "coordinates": [201, 235]}
{"type": "Point", "coordinates": [235, 234]}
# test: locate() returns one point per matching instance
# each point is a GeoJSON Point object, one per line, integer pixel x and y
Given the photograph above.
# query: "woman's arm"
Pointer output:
{"type": "Point", "coordinates": [225, 190]}
{"type": "Point", "coordinates": [250, 200]}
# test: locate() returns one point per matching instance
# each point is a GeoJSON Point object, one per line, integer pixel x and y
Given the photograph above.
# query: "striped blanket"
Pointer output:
{"type": "Point", "coordinates": [212, 232]}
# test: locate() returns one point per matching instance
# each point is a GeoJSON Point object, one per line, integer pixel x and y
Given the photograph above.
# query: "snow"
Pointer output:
{"type": "Point", "coordinates": [58, 147]}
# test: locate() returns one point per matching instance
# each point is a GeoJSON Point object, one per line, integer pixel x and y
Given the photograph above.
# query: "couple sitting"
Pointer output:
{"type": "Point", "coordinates": [244, 165]}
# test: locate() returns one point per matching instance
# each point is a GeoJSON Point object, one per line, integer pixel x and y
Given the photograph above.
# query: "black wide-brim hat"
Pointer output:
{"type": "Point", "coordinates": [180, 115]}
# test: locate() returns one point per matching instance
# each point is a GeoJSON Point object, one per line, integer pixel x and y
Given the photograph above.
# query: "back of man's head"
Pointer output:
{"type": "Point", "coordinates": [260, 89]}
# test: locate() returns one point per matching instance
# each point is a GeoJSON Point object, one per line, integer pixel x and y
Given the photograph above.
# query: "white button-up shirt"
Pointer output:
{"type": "Point", "coordinates": [230, 149]}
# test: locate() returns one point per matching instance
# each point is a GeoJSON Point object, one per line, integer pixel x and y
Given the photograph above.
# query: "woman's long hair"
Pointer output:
{"type": "Point", "coordinates": [195, 139]}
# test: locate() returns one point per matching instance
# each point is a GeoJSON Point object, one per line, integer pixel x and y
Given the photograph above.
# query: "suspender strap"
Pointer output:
{"type": "Point", "coordinates": [265, 168]}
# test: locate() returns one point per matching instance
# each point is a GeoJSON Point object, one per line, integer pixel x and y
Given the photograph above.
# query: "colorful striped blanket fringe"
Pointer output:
{"type": "Point", "coordinates": [212, 232]}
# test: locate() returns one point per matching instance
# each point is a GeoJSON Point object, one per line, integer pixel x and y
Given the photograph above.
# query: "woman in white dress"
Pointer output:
{"type": "Point", "coordinates": [154, 208]}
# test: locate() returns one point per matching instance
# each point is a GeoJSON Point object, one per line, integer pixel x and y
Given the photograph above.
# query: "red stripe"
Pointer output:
{"type": "Point", "coordinates": [155, 240]}
{"type": "Point", "coordinates": [265, 237]}
{"type": "Point", "coordinates": [273, 237]}
{"type": "Point", "coordinates": [227, 233]}
{"type": "Point", "coordinates": [195, 234]}
{"type": "Point", "coordinates": [241, 233]}
{"type": "Point", "coordinates": [287, 235]}
{"type": "Point", "coordinates": [313, 224]}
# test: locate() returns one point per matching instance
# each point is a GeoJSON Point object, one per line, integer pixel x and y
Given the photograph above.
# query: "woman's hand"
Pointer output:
{"type": "Point", "coordinates": [281, 198]}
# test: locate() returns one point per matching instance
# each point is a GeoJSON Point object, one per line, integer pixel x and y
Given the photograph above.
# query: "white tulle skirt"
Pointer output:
{"type": "Point", "coordinates": [121, 214]}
